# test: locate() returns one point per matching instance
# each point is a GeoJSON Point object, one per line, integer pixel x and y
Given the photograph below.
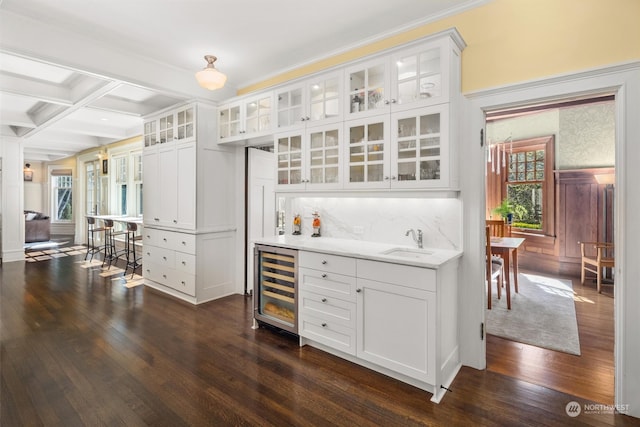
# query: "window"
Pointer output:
{"type": "Point", "coordinates": [62, 195]}
{"type": "Point", "coordinates": [137, 182]}
{"type": "Point", "coordinates": [526, 179]}
{"type": "Point", "coordinates": [120, 171]}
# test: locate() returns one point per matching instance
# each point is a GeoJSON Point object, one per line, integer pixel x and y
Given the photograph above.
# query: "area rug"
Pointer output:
{"type": "Point", "coordinates": [542, 314]}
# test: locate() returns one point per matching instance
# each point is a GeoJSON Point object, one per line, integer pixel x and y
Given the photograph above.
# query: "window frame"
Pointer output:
{"type": "Point", "coordinates": [53, 195]}
{"type": "Point", "coordinates": [546, 143]}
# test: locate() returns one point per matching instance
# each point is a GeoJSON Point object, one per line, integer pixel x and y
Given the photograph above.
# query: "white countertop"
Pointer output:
{"type": "Point", "coordinates": [426, 257]}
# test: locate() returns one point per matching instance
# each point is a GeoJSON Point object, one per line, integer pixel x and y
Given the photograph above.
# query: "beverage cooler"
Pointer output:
{"type": "Point", "coordinates": [275, 299]}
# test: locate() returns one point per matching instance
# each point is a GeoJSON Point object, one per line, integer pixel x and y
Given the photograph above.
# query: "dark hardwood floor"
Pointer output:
{"type": "Point", "coordinates": [590, 375]}
{"type": "Point", "coordinates": [80, 349]}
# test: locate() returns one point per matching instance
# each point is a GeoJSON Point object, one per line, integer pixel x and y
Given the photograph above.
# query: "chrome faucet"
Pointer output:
{"type": "Point", "coordinates": [417, 237]}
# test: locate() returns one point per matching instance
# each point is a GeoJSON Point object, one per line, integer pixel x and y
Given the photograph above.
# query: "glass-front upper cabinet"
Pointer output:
{"type": "Point", "coordinates": [313, 102]}
{"type": "Point", "coordinates": [149, 133]}
{"type": "Point", "coordinates": [229, 121]}
{"type": "Point", "coordinates": [324, 102]}
{"type": "Point", "coordinates": [185, 124]}
{"type": "Point", "coordinates": [288, 147]}
{"type": "Point", "coordinates": [258, 114]}
{"type": "Point", "coordinates": [290, 109]}
{"type": "Point", "coordinates": [323, 164]}
{"type": "Point", "coordinates": [368, 86]}
{"type": "Point", "coordinates": [421, 75]}
{"type": "Point", "coordinates": [367, 153]}
{"type": "Point", "coordinates": [420, 144]}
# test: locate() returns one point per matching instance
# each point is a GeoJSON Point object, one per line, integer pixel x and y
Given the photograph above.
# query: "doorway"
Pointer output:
{"type": "Point", "coordinates": [554, 207]}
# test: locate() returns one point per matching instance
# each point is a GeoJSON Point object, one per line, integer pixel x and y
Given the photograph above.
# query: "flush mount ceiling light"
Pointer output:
{"type": "Point", "coordinates": [209, 77]}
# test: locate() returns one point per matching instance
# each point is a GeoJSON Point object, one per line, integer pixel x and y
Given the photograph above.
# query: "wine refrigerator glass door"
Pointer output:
{"type": "Point", "coordinates": [275, 287]}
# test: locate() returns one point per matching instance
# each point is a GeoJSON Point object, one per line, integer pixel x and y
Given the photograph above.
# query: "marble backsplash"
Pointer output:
{"type": "Point", "coordinates": [383, 220]}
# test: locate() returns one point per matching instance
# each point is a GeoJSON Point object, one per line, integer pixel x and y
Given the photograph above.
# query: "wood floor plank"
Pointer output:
{"type": "Point", "coordinates": [80, 349]}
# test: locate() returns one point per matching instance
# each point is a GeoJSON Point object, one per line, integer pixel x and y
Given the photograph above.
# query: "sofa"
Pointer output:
{"type": "Point", "coordinates": [37, 227]}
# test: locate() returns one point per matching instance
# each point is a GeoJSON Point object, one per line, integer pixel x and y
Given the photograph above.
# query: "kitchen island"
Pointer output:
{"type": "Point", "coordinates": [387, 307]}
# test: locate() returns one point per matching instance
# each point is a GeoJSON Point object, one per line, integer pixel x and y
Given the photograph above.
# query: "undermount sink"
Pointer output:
{"type": "Point", "coordinates": [408, 253]}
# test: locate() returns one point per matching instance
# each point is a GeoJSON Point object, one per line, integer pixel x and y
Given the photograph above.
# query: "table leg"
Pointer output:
{"type": "Point", "coordinates": [508, 278]}
{"type": "Point", "coordinates": [515, 269]}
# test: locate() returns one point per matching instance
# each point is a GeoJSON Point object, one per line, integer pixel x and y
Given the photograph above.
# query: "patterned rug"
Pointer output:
{"type": "Point", "coordinates": [543, 314]}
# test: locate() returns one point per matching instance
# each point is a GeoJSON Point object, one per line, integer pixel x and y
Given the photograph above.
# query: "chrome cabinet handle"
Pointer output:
{"type": "Point", "coordinates": [358, 290]}
{"type": "Point", "coordinates": [324, 261]}
{"type": "Point", "coordinates": [324, 300]}
{"type": "Point", "coordinates": [324, 325]}
{"type": "Point", "coordinates": [324, 275]}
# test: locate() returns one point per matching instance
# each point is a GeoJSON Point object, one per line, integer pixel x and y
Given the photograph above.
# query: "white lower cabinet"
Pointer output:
{"type": "Point", "coordinates": [398, 319]}
{"type": "Point", "coordinates": [171, 264]}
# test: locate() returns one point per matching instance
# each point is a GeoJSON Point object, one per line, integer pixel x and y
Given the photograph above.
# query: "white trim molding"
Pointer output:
{"type": "Point", "coordinates": [622, 80]}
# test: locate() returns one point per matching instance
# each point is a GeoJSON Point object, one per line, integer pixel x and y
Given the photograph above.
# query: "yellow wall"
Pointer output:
{"type": "Point", "coordinates": [511, 41]}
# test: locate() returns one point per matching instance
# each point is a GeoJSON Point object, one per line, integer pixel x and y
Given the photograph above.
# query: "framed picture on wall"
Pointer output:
{"type": "Point", "coordinates": [28, 175]}
{"type": "Point", "coordinates": [105, 166]}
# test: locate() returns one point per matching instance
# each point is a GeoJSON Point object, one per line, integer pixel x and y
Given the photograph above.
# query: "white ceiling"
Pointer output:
{"type": "Point", "coordinates": [76, 74]}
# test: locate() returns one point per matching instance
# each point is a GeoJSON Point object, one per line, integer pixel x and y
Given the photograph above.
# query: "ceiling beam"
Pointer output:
{"type": "Point", "coordinates": [39, 90]}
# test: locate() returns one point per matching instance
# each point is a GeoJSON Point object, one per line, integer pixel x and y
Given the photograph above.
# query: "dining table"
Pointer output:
{"type": "Point", "coordinates": [507, 249]}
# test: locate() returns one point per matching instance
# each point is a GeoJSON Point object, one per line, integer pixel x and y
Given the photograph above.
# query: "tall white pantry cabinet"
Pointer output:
{"type": "Point", "coordinates": [189, 220]}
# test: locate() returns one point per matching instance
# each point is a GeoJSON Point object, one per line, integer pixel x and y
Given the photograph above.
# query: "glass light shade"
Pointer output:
{"type": "Point", "coordinates": [209, 77]}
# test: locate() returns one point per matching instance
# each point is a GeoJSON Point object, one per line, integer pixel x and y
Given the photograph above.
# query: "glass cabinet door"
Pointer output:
{"type": "Point", "coordinates": [324, 155]}
{"type": "Point", "coordinates": [258, 115]}
{"type": "Point", "coordinates": [165, 129]}
{"type": "Point", "coordinates": [367, 151]}
{"type": "Point", "coordinates": [418, 76]}
{"type": "Point", "coordinates": [150, 133]}
{"type": "Point", "coordinates": [420, 148]}
{"type": "Point", "coordinates": [185, 124]}
{"type": "Point", "coordinates": [324, 98]}
{"type": "Point", "coordinates": [229, 122]}
{"type": "Point", "coordinates": [368, 87]}
{"type": "Point", "coordinates": [289, 152]}
{"type": "Point", "coordinates": [290, 107]}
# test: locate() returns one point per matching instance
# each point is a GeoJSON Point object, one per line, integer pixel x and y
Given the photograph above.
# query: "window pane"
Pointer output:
{"type": "Point", "coordinates": [526, 200]}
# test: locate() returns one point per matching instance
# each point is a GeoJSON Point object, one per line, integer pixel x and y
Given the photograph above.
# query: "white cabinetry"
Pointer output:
{"type": "Point", "coordinates": [409, 149]}
{"type": "Point", "coordinates": [309, 158]}
{"type": "Point", "coordinates": [177, 125]}
{"type": "Point", "coordinates": [189, 231]}
{"type": "Point", "coordinates": [315, 101]}
{"type": "Point", "coordinates": [247, 118]}
{"type": "Point", "coordinates": [420, 75]}
{"type": "Point", "coordinates": [172, 168]}
{"type": "Point", "coordinates": [327, 300]}
{"type": "Point", "coordinates": [397, 319]}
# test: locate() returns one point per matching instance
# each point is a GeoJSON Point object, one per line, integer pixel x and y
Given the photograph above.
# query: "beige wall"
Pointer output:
{"type": "Point", "coordinates": [512, 41]}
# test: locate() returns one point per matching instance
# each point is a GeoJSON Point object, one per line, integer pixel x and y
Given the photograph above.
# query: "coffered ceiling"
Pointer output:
{"type": "Point", "coordinates": [76, 74]}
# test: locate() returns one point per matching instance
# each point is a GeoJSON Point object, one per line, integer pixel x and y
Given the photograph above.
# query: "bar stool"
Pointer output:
{"type": "Point", "coordinates": [111, 252]}
{"type": "Point", "coordinates": [132, 258]}
{"type": "Point", "coordinates": [92, 229]}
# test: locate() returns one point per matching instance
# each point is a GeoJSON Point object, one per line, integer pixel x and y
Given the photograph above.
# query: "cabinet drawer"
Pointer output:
{"type": "Point", "coordinates": [328, 308]}
{"type": "Point", "coordinates": [185, 262]}
{"type": "Point", "coordinates": [182, 242]}
{"type": "Point", "coordinates": [176, 279]}
{"type": "Point", "coordinates": [183, 282]}
{"type": "Point", "coordinates": [327, 283]}
{"type": "Point", "coordinates": [328, 263]}
{"type": "Point", "coordinates": [403, 275]}
{"type": "Point", "coordinates": [330, 333]}
{"type": "Point", "coordinates": [160, 256]}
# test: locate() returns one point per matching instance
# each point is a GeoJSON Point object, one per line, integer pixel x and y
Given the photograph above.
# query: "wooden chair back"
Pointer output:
{"type": "Point", "coordinates": [498, 228]}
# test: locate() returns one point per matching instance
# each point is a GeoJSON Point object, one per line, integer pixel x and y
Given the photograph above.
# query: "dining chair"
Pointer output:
{"type": "Point", "coordinates": [596, 263]}
{"type": "Point", "coordinates": [494, 269]}
{"type": "Point", "coordinates": [498, 228]}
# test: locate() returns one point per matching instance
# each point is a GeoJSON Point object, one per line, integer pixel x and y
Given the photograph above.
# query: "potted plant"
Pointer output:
{"type": "Point", "coordinates": [505, 210]}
